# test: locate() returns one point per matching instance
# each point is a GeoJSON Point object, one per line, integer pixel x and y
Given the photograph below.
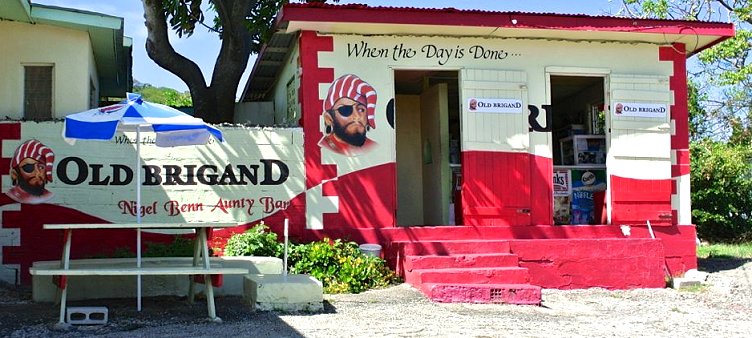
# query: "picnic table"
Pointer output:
{"type": "Point", "coordinates": [200, 266]}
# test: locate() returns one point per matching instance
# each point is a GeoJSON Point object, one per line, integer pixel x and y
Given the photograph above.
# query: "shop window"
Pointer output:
{"type": "Point", "coordinates": [38, 92]}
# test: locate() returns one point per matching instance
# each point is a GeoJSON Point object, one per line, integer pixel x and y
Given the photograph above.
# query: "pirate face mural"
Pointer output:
{"type": "Point", "coordinates": [349, 113]}
{"type": "Point", "coordinates": [30, 171]}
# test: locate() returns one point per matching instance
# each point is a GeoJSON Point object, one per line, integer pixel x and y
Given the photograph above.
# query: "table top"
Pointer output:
{"type": "Point", "coordinates": [140, 225]}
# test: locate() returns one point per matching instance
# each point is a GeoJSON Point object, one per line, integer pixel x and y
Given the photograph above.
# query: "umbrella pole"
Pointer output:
{"type": "Point", "coordinates": [138, 216]}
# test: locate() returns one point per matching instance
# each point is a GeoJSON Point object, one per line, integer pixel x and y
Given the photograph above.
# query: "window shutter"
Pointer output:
{"type": "Point", "coordinates": [38, 92]}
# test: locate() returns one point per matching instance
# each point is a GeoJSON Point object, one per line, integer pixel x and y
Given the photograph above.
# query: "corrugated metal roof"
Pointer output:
{"type": "Point", "coordinates": [355, 18]}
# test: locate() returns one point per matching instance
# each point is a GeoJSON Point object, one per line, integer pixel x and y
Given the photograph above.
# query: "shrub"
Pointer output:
{"type": "Point", "coordinates": [180, 247]}
{"type": "Point", "coordinates": [721, 190]}
{"type": "Point", "coordinates": [257, 241]}
{"type": "Point", "coordinates": [340, 266]}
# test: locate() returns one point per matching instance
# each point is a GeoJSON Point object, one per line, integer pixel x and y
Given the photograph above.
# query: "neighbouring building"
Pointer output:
{"type": "Point", "coordinates": [59, 60]}
{"type": "Point", "coordinates": [55, 61]}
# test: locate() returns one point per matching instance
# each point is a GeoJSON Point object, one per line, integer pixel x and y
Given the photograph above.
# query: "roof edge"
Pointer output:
{"type": "Point", "coordinates": [318, 12]}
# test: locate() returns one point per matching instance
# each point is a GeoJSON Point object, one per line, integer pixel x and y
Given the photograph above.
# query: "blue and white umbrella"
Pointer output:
{"type": "Point", "coordinates": [172, 128]}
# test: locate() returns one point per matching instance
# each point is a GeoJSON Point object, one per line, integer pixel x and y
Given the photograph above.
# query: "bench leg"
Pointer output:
{"type": "Point", "coordinates": [63, 300]}
{"type": "Point", "coordinates": [196, 252]}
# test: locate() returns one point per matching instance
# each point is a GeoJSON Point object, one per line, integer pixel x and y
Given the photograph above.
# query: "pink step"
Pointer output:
{"type": "Point", "coordinates": [451, 247]}
{"type": "Point", "coordinates": [524, 294]}
{"type": "Point", "coordinates": [497, 275]}
{"type": "Point", "coordinates": [461, 261]}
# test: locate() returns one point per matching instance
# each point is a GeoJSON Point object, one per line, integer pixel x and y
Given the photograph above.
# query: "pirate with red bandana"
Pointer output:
{"type": "Point", "coordinates": [349, 113]}
{"type": "Point", "coordinates": [30, 170]}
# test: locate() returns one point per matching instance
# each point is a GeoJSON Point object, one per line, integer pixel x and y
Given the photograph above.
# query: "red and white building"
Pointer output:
{"type": "Point", "coordinates": [553, 137]}
{"type": "Point", "coordinates": [490, 154]}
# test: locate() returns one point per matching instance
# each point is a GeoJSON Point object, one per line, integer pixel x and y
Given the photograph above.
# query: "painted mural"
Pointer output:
{"type": "Point", "coordinates": [30, 171]}
{"type": "Point", "coordinates": [349, 113]}
{"type": "Point", "coordinates": [255, 174]}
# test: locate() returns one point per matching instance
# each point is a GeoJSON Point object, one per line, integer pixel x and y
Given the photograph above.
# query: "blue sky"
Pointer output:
{"type": "Point", "coordinates": [203, 47]}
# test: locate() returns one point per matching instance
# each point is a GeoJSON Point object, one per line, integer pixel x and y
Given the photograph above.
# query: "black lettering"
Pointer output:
{"type": "Point", "coordinates": [208, 179]}
{"type": "Point", "coordinates": [151, 175]}
{"type": "Point", "coordinates": [245, 172]}
{"type": "Point", "coordinates": [172, 175]}
{"type": "Point", "coordinates": [190, 176]}
{"type": "Point", "coordinates": [121, 175]}
{"type": "Point", "coordinates": [532, 119]}
{"type": "Point", "coordinates": [62, 171]}
{"type": "Point", "coordinates": [429, 50]}
{"type": "Point", "coordinates": [96, 170]}
{"type": "Point", "coordinates": [284, 172]}
{"type": "Point", "coordinates": [228, 176]}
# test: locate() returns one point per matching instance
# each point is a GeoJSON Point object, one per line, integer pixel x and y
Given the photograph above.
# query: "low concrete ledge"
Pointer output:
{"type": "Point", "coordinates": [97, 287]}
{"type": "Point", "coordinates": [291, 293]}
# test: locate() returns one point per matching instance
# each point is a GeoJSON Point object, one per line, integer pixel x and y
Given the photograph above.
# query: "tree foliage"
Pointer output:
{"type": "Point", "coordinates": [721, 190]}
{"type": "Point", "coordinates": [719, 116]}
{"type": "Point", "coordinates": [164, 95]}
{"type": "Point", "coordinates": [723, 73]}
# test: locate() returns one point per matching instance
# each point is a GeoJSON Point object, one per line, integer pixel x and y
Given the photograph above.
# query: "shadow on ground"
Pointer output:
{"type": "Point", "coordinates": [19, 315]}
{"type": "Point", "coordinates": [720, 263]}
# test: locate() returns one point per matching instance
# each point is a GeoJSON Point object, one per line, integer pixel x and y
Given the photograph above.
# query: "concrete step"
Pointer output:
{"type": "Point", "coordinates": [411, 248]}
{"type": "Point", "coordinates": [461, 261]}
{"type": "Point", "coordinates": [524, 294]}
{"type": "Point", "coordinates": [495, 275]}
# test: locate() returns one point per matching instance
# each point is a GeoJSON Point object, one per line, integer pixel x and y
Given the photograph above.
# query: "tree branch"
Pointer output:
{"type": "Point", "coordinates": [160, 50]}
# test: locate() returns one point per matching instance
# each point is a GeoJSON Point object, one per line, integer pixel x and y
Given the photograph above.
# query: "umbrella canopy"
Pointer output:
{"type": "Point", "coordinates": [172, 127]}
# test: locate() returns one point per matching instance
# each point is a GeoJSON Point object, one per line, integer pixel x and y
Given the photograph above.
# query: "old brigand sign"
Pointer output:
{"type": "Point", "coordinates": [502, 106]}
{"type": "Point", "coordinates": [75, 171]}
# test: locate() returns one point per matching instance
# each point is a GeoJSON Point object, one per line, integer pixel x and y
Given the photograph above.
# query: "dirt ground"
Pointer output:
{"type": "Point", "coordinates": [721, 308]}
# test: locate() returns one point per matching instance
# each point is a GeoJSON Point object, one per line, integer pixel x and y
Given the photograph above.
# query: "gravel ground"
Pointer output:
{"type": "Point", "coordinates": [722, 308]}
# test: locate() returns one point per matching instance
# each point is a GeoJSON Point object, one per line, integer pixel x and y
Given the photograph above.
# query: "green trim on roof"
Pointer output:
{"type": "Point", "coordinates": [74, 18]}
{"type": "Point", "coordinates": [16, 10]}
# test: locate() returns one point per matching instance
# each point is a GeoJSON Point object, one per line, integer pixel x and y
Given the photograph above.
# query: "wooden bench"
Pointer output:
{"type": "Point", "coordinates": [200, 267]}
{"type": "Point", "coordinates": [137, 271]}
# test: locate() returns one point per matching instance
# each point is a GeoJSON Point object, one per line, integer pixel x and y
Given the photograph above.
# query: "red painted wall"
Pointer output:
{"type": "Point", "coordinates": [636, 201]}
{"type": "Point", "coordinates": [496, 188]}
{"type": "Point", "coordinates": [367, 197]}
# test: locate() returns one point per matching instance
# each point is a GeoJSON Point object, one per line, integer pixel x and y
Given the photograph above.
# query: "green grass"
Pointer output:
{"type": "Point", "coordinates": [730, 251]}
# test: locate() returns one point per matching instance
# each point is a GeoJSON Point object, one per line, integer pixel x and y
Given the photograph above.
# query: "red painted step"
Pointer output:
{"type": "Point", "coordinates": [496, 275]}
{"type": "Point", "coordinates": [524, 294]}
{"type": "Point", "coordinates": [461, 261]}
{"type": "Point", "coordinates": [409, 248]}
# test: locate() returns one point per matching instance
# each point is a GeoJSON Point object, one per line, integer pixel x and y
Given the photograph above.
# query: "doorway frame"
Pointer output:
{"type": "Point", "coordinates": [392, 74]}
{"type": "Point", "coordinates": [604, 73]}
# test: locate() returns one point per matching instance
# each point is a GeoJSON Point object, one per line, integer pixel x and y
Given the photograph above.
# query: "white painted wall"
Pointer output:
{"type": "Point", "coordinates": [242, 146]}
{"type": "Point", "coordinates": [69, 51]}
{"type": "Point", "coordinates": [280, 90]}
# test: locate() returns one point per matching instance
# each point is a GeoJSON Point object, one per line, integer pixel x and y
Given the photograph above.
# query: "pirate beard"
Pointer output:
{"type": "Point", "coordinates": [357, 139]}
{"type": "Point", "coordinates": [25, 186]}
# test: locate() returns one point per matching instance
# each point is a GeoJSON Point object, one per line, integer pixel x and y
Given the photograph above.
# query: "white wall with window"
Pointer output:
{"type": "Point", "coordinates": [45, 71]}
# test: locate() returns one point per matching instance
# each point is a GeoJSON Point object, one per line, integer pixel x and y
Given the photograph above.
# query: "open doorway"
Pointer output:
{"type": "Point", "coordinates": [427, 125]}
{"type": "Point", "coordinates": [579, 149]}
